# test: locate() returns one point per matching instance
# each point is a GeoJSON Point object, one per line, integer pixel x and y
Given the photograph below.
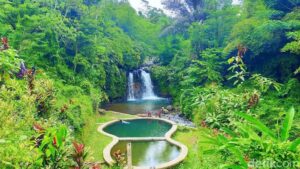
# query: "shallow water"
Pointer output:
{"type": "Point", "coordinates": [139, 128]}
{"type": "Point", "coordinates": [149, 153]}
{"type": "Point", "coordinates": [138, 106]}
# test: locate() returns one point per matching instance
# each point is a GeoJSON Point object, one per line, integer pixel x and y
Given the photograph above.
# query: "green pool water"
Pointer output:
{"type": "Point", "coordinates": [138, 106]}
{"type": "Point", "coordinates": [139, 128]}
{"type": "Point", "coordinates": [149, 153]}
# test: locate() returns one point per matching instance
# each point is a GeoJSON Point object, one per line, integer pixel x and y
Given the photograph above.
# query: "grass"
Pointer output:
{"type": "Point", "coordinates": [197, 157]}
{"type": "Point", "coordinates": [192, 138]}
{"type": "Point", "coordinates": [94, 140]}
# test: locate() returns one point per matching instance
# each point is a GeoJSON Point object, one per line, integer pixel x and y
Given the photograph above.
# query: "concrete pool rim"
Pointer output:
{"type": "Point", "coordinates": [167, 137]}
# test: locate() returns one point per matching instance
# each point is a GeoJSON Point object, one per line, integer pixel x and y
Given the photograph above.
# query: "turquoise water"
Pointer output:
{"type": "Point", "coordinates": [149, 153]}
{"type": "Point", "coordinates": [144, 153]}
{"type": "Point", "coordinates": [139, 128]}
{"type": "Point", "coordinates": [138, 106]}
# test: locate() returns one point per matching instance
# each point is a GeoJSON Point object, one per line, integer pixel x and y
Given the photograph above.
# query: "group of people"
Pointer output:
{"type": "Point", "coordinates": [157, 114]}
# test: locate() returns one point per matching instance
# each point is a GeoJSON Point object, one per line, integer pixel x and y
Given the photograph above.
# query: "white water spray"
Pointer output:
{"type": "Point", "coordinates": [144, 91]}
{"type": "Point", "coordinates": [148, 93]}
{"type": "Point", "coordinates": [130, 96]}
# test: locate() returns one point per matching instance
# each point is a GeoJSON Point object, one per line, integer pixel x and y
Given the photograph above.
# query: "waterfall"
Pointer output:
{"type": "Point", "coordinates": [139, 86]}
{"type": "Point", "coordinates": [131, 96]}
{"type": "Point", "coordinates": [148, 93]}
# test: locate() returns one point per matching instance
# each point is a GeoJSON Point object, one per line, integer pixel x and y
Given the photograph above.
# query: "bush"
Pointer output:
{"type": "Point", "coordinates": [213, 105]}
{"type": "Point", "coordinates": [17, 109]}
{"type": "Point", "coordinates": [86, 87]}
{"type": "Point", "coordinates": [253, 141]}
{"type": "Point", "coordinates": [52, 146]}
{"type": "Point", "coordinates": [9, 61]}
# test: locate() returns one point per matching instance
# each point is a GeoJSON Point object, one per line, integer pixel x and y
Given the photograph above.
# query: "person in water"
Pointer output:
{"type": "Point", "coordinates": [124, 122]}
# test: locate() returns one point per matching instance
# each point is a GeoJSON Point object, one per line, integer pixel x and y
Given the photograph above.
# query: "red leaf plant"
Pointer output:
{"type": "Point", "coordinates": [5, 45]}
{"type": "Point", "coordinates": [120, 158]}
{"type": "Point", "coordinates": [54, 141]}
{"type": "Point", "coordinates": [96, 166]}
{"type": "Point", "coordinates": [39, 129]}
{"type": "Point", "coordinates": [78, 155]}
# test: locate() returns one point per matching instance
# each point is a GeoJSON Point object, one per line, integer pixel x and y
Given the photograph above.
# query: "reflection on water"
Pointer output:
{"type": "Point", "coordinates": [138, 106]}
{"type": "Point", "coordinates": [149, 153]}
{"type": "Point", "coordinates": [139, 128]}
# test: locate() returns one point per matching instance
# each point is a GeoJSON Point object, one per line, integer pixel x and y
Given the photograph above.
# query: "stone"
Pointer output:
{"type": "Point", "coordinates": [164, 110]}
{"type": "Point", "coordinates": [101, 111]}
{"type": "Point", "coordinates": [170, 108]}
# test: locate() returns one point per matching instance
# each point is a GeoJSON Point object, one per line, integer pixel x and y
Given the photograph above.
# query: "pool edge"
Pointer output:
{"type": "Point", "coordinates": [168, 137]}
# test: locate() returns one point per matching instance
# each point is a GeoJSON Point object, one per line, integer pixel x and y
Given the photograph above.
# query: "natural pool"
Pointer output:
{"type": "Point", "coordinates": [138, 128]}
{"type": "Point", "coordinates": [149, 153]}
{"type": "Point", "coordinates": [151, 142]}
{"type": "Point", "coordinates": [151, 145]}
{"type": "Point", "coordinates": [138, 106]}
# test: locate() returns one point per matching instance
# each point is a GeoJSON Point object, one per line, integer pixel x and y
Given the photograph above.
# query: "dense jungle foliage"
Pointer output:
{"type": "Point", "coordinates": [231, 68]}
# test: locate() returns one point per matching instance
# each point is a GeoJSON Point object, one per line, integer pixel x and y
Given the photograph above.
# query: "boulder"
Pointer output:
{"type": "Point", "coordinates": [170, 108]}
{"type": "Point", "coordinates": [101, 111]}
{"type": "Point", "coordinates": [164, 110]}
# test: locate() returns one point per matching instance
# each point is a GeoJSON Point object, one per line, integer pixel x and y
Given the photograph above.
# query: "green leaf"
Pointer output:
{"type": "Point", "coordinates": [52, 149]}
{"type": "Point", "coordinates": [232, 166]}
{"type": "Point", "coordinates": [48, 153]}
{"type": "Point", "coordinates": [61, 134]}
{"type": "Point", "coordinates": [294, 144]}
{"type": "Point", "coordinates": [257, 124]}
{"type": "Point", "coordinates": [229, 132]}
{"type": "Point", "coordinates": [287, 124]}
{"type": "Point", "coordinates": [248, 131]}
{"type": "Point", "coordinates": [236, 152]}
{"type": "Point", "coordinates": [297, 71]}
{"type": "Point", "coordinates": [230, 60]}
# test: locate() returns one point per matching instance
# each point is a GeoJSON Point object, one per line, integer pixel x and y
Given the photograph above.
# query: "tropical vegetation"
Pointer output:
{"type": "Point", "coordinates": [231, 68]}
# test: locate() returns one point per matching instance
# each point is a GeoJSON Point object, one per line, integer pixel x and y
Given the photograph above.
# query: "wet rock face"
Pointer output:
{"type": "Point", "coordinates": [140, 85]}
{"type": "Point", "coordinates": [146, 69]}
{"type": "Point", "coordinates": [137, 84]}
{"type": "Point", "coordinates": [138, 92]}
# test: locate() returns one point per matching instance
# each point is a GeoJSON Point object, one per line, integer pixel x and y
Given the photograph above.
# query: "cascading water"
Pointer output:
{"type": "Point", "coordinates": [140, 93]}
{"type": "Point", "coordinates": [140, 86]}
{"type": "Point", "coordinates": [131, 96]}
{"type": "Point", "coordinates": [148, 93]}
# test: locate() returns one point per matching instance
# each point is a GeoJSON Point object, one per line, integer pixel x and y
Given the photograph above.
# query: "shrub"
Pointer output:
{"type": "Point", "coordinates": [214, 106]}
{"type": "Point", "coordinates": [53, 147]}
{"type": "Point", "coordinates": [264, 84]}
{"type": "Point", "coordinates": [253, 141]}
{"type": "Point", "coordinates": [9, 63]}
{"type": "Point", "coordinates": [16, 119]}
{"type": "Point", "coordinates": [86, 87]}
